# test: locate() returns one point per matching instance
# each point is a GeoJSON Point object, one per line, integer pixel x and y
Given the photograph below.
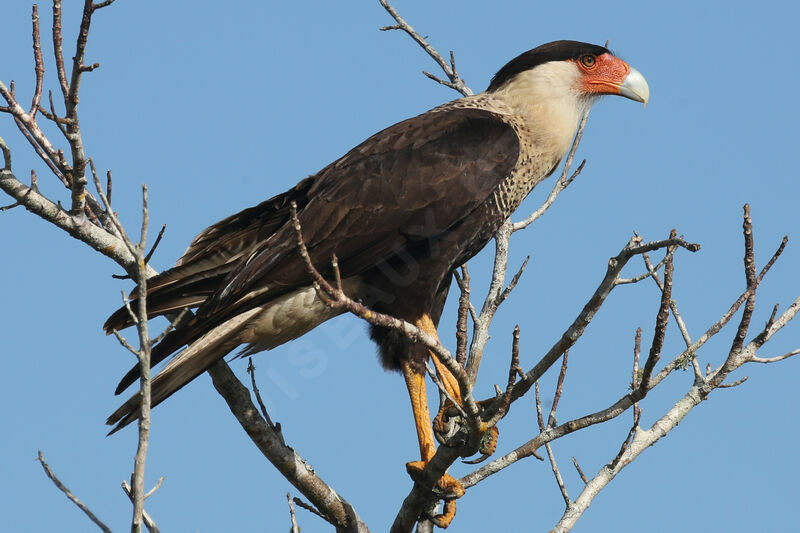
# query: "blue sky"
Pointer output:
{"type": "Point", "coordinates": [221, 106]}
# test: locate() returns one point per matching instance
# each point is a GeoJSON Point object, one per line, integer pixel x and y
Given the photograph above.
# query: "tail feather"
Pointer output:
{"type": "Point", "coordinates": [161, 299]}
{"type": "Point", "coordinates": [168, 345]}
{"type": "Point", "coordinates": [186, 366]}
{"type": "Point", "coordinates": [121, 318]}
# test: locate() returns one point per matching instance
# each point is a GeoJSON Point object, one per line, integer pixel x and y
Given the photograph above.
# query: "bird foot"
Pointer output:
{"type": "Point", "coordinates": [448, 488]}
{"type": "Point", "coordinates": [446, 517]}
{"type": "Point", "coordinates": [447, 429]}
{"type": "Point", "coordinates": [488, 443]}
{"type": "Point", "coordinates": [450, 430]}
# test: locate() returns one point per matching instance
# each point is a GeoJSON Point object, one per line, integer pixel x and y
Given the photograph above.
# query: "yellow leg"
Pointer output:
{"type": "Point", "coordinates": [449, 381]}
{"type": "Point", "coordinates": [450, 384]}
{"type": "Point", "coordinates": [415, 382]}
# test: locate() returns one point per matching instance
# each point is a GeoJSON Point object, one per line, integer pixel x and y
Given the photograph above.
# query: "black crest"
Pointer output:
{"type": "Point", "coordinates": [555, 51]}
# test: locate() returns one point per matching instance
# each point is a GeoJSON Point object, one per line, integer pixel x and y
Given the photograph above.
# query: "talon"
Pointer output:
{"type": "Point", "coordinates": [448, 485]}
{"type": "Point", "coordinates": [414, 469]}
{"type": "Point", "coordinates": [448, 513]}
{"type": "Point", "coordinates": [480, 459]}
{"type": "Point", "coordinates": [488, 443]}
{"type": "Point", "coordinates": [440, 421]}
{"type": "Point", "coordinates": [446, 427]}
{"type": "Point", "coordinates": [451, 487]}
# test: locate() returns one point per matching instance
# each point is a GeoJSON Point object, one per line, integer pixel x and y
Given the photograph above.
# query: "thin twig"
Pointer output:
{"type": "Point", "coordinates": [295, 527]}
{"type": "Point", "coordinates": [750, 278]}
{"type": "Point", "coordinates": [149, 523]}
{"type": "Point", "coordinates": [662, 319]}
{"type": "Point", "coordinates": [58, 49]}
{"type": "Point", "coordinates": [636, 379]}
{"type": "Point", "coordinates": [651, 270]}
{"type": "Point", "coordinates": [514, 280]}
{"type": "Point", "coordinates": [108, 187]}
{"type": "Point", "coordinates": [134, 317]}
{"type": "Point", "coordinates": [251, 369]}
{"type": "Point", "coordinates": [580, 472]}
{"type": "Point", "coordinates": [775, 359]}
{"type": "Point", "coordinates": [538, 402]}
{"type": "Point", "coordinates": [715, 328]}
{"type": "Point", "coordinates": [450, 70]}
{"type": "Point", "coordinates": [155, 488]}
{"type": "Point", "coordinates": [551, 419]}
{"type": "Point", "coordinates": [562, 183]}
{"type": "Point", "coordinates": [171, 326]}
{"type": "Point", "coordinates": [513, 370]}
{"type": "Point", "coordinates": [442, 390]}
{"type": "Point", "coordinates": [548, 448]}
{"type": "Point", "coordinates": [472, 312]}
{"type": "Point", "coordinates": [461, 321]}
{"type": "Point", "coordinates": [125, 343]}
{"type": "Point", "coordinates": [308, 507]}
{"type": "Point", "coordinates": [33, 188]}
{"type": "Point", "coordinates": [6, 155]}
{"type": "Point", "coordinates": [155, 244]}
{"type": "Point", "coordinates": [39, 63]}
{"type": "Point", "coordinates": [557, 474]}
{"type": "Point", "coordinates": [733, 384]}
{"type": "Point", "coordinates": [578, 326]}
{"type": "Point", "coordinates": [74, 499]}
{"type": "Point", "coordinates": [673, 306]}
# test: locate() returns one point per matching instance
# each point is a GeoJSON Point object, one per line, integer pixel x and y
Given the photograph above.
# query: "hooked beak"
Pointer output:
{"type": "Point", "coordinates": [635, 87]}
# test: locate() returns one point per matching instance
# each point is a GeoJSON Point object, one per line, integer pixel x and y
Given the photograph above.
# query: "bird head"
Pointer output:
{"type": "Point", "coordinates": [582, 70]}
{"type": "Point", "coordinates": [553, 85]}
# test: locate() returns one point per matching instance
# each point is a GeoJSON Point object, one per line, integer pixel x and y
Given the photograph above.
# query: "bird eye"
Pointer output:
{"type": "Point", "coordinates": [588, 60]}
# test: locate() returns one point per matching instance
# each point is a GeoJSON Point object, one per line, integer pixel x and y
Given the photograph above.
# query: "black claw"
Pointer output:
{"type": "Point", "coordinates": [480, 459]}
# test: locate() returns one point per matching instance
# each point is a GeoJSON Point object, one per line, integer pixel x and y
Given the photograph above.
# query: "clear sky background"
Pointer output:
{"type": "Point", "coordinates": [217, 106]}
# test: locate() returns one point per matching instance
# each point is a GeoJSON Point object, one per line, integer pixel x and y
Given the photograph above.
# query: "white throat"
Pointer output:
{"type": "Point", "coordinates": [549, 98]}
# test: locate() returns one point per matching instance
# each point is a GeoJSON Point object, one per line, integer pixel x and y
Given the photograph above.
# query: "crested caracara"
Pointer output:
{"type": "Point", "coordinates": [401, 211]}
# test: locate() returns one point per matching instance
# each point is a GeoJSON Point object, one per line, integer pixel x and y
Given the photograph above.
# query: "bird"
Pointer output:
{"type": "Point", "coordinates": [400, 211]}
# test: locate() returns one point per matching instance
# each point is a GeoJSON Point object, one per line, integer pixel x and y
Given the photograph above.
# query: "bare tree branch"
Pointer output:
{"type": "Point", "coordinates": [687, 339]}
{"type": "Point", "coordinates": [661, 323]}
{"type": "Point", "coordinates": [149, 523]}
{"type": "Point", "coordinates": [576, 329]}
{"type": "Point", "coordinates": [776, 359]}
{"type": "Point", "coordinates": [464, 306]}
{"type": "Point", "coordinates": [39, 62]}
{"type": "Point", "coordinates": [74, 499]}
{"type": "Point", "coordinates": [450, 71]}
{"type": "Point", "coordinates": [580, 472]}
{"type": "Point", "coordinates": [104, 233]}
{"type": "Point", "coordinates": [294, 468]}
{"type": "Point", "coordinates": [549, 449]}
{"type": "Point", "coordinates": [251, 369]}
{"type": "Point", "coordinates": [308, 507]}
{"type": "Point", "coordinates": [295, 527]}
{"type": "Point", "coordinates": [337, 299]}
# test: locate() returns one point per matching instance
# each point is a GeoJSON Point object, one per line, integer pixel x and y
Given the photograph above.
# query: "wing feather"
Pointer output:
{"type": "Point", "coordinates": [411, 182]}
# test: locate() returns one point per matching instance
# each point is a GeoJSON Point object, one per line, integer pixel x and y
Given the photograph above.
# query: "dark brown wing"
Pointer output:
{"type": "Point", "coordinates": [410, 182]}
{"type": "Point", "coordinates": [212, 255]}
{"type": "Point", "coordinates": [240, 231]}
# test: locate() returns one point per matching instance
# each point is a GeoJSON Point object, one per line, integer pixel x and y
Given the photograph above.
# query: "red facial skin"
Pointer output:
{"type": "Point", "coordinates": [605, 75]}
